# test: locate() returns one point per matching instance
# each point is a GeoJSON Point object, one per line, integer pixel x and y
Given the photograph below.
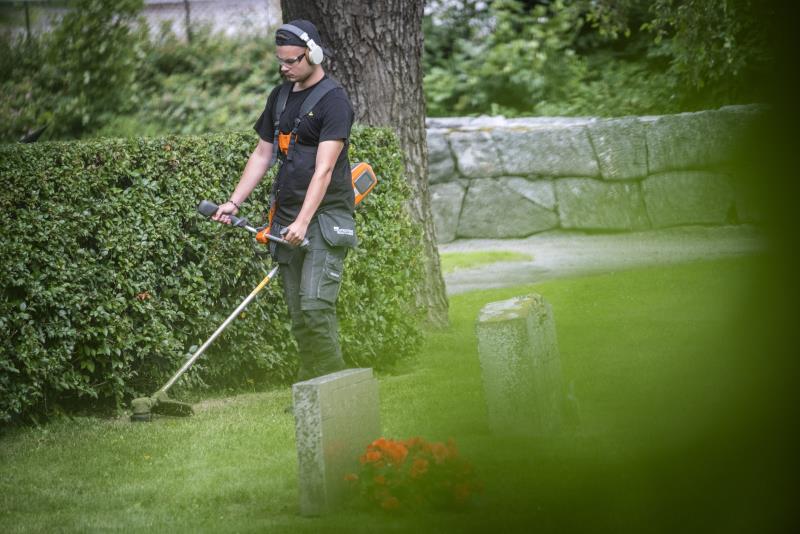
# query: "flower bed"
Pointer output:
{"type": "Point", "coordinates": [411, 474]}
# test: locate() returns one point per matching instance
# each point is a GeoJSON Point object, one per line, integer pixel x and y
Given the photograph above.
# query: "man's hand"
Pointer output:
{"type": "Point", "coordinates": [295, 233]}
{"type": "Point", "coordinates": [224, 212]}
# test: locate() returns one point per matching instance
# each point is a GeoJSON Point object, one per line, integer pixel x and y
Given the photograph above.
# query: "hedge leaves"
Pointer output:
{"type": "Point", "coordinates": [110, 278]}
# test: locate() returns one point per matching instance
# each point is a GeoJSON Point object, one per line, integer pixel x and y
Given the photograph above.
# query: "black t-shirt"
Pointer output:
{"type": "Point", "coordinates": [330, 119]}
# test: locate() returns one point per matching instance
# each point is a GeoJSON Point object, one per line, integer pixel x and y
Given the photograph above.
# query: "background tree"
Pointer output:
{"type": "Point", "coordinates": [377, 55]}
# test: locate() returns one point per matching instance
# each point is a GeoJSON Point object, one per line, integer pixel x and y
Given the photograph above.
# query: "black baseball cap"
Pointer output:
{"type": "Point", "coordinates": [287, 38]}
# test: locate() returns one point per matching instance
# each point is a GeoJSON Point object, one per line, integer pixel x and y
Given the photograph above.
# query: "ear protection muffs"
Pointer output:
{"type": "Point", "coordinates": [314, 52]}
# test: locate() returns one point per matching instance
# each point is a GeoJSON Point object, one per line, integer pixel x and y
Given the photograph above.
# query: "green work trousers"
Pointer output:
{"type": "Point", "coordinates": [311, 278]}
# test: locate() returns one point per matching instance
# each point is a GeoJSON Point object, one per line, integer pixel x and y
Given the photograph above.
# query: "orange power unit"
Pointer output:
{"type": "Point", "coordinates": [364, 180]}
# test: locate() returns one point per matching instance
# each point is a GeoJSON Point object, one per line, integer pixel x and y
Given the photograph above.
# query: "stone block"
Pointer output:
{"type": "Point", "coordinates": [521, 366]}
{"type": "Point", "coordinates": [484, 122]}
{"type": "Point", "coordinates": [441, 167]}
{"type": "Point", "coordinates": [698, 140]}
{"type": "Point", "coordinates": [446, 200]}
{"type": "Point", "coordinates": [540, 191]}
{"type": "Point", "coordinates": [492, 210]}
{"type": "Point", "coordinates": [588, 204]}
{"type": "Point", "coordinates": [336, 417]}
{"type": "Point", "coordinates": [546, 151]}
{"type": "Point", "coordinates": [476, 156]}
{"type": "Point", "coordinates": [688, 197]}
{"type": "Point", "coordinates": [750, 199]}
{"type": "Point", "coordinates": [621, 148]}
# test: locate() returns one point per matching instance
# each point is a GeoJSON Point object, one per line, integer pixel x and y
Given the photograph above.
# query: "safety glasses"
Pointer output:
{"type": "Point", "coordinates": [290, 62]}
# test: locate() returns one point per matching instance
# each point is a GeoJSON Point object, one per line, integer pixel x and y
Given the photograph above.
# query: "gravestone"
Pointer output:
{"type": "Point", "coordinates": [520, 366]}
{"type": "Point", "coordinates": [336, 417]}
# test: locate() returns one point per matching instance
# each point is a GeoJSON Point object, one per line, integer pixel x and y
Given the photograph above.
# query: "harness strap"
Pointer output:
{"type": "Point", "coordinates": [280, 105]}
{"type": "Point", "coordinates": [320, 90]}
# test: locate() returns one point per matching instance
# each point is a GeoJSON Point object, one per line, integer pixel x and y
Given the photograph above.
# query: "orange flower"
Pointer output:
{"type": "Point", "coordinates": [419, 467]}
{"type": "Point", "coordinates": [451, 448]}
{"type": "Point", "coordinates": [351, 477]}
{"type": "Point", "coordinates": [440, 452]}
{"type": "Point", "coordinates": [390, 503]}
{"type": "Point", "coordinates": [413, 442]}
{"type": "Point", "coordinates": [461, 493]}
{"type": "Point", "coordinates": [435, 472]}
{"type": "Point", "coordinates": [397, 452]}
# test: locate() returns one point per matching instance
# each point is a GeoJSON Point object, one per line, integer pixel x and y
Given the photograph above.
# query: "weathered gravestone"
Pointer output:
{"type": "Point", "coordinates": [336, 417]}
{"type": "Point", "coordinates": [521, 367]}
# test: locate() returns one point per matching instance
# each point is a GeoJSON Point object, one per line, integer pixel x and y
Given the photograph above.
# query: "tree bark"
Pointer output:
{"type": "Point", "coordinates": [376, 53]}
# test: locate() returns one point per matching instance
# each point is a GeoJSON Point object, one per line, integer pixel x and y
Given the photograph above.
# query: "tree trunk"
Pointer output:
{"type": "Point", "coordinates": [376, 53]}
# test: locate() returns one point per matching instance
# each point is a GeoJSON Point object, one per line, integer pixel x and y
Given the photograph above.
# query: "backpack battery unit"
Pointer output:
{"type": "Point", "coordinates": [364, 180]}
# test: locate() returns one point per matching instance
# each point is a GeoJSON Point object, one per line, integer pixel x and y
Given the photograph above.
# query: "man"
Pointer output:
{"type": "Point", "coordinates": [312, 196]}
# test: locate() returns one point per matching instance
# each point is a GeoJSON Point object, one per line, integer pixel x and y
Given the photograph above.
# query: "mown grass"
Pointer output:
{"type": "Point", "coordinates": [452, 261]}
{"type": "Point", "coordinates": [659, 359]}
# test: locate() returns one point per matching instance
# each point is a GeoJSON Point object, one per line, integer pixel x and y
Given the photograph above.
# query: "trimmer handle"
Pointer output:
{"type": "Point", "coordinates": [208, 209]}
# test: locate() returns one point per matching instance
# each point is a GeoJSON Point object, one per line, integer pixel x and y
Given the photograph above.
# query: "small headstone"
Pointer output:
{"type": "Point", "coordinates": [336, 417]}
{"type": "Point", "coordinates": [521, 367]}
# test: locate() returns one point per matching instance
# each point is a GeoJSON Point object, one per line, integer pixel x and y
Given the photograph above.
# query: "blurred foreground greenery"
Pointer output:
{"type": "Point", "coordinates": [103, 72]}
{"type": "Point", "coordinates": [676, 370]}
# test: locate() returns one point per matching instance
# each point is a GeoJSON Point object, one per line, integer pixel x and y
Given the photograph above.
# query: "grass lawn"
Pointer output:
{"type": "Point", "coordinates": [452, 261]}
{"type": "Point", "coordinates": [659, 359]}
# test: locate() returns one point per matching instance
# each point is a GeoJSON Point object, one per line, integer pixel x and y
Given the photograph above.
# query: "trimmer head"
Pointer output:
{"type": "Point", "coordinates": [144, 407]}
{"type": "Point", "coordinates": [141, 418]}
{"type": "Point", "coordinates": [166, 406]}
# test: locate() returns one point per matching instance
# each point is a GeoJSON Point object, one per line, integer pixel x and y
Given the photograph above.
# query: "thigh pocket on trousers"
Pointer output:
{"type": "Point", "coordinates": [331, 278]}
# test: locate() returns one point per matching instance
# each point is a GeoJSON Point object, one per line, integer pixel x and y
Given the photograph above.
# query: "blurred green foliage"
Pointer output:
{"type": "Point", "coordinates": [514, 60]}
{"type": "Point", "coordinates": [212, 83]}
{"type": "Point", "coordinates": [101, 72]}
{"type": "Point", "coordinates": [110, 278]}
{"type": "Point", "coordinates": [74, 78]}
{"type": "Point", "coordinates": [598, 57]}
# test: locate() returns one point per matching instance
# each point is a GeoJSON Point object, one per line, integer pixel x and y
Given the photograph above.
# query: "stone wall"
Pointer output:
{"type": "Point", "coordinates": [492, 177]}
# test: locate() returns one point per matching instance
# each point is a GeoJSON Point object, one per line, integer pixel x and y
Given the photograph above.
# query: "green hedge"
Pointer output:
{"type": "Point", "coordinates": [110, 278]}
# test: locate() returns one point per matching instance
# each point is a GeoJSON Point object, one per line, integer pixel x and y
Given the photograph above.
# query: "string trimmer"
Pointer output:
{"type": "Point", "coordinates": [159, 402]}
